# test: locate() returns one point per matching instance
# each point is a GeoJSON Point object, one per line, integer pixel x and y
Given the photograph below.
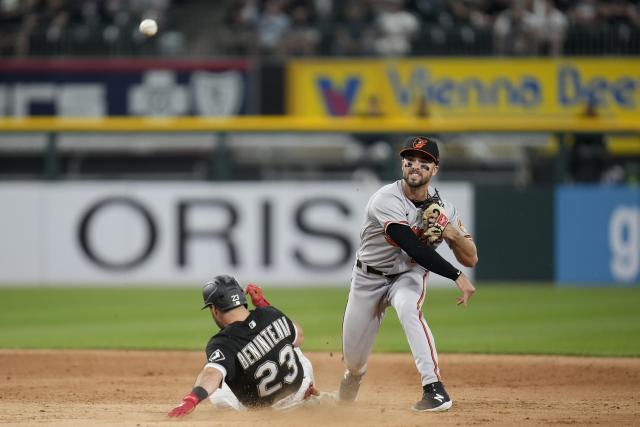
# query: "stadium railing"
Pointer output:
{"type": "Point", "coordinates": [52, 127]}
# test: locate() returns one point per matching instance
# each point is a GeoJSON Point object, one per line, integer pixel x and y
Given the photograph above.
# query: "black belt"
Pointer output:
{"type": "Point", "coordinates": [369, 269]}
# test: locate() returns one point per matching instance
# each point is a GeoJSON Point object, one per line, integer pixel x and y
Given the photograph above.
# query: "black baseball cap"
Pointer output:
{"type": "Point", "coordinates": [426, 146]}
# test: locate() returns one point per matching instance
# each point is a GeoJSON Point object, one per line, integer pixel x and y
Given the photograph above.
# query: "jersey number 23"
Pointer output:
{"type": "Point", "coordinates": [267, 373]}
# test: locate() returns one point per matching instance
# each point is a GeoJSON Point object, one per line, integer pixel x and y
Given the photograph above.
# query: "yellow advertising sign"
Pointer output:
{"type": "Point", "coordinates": [464, 87]}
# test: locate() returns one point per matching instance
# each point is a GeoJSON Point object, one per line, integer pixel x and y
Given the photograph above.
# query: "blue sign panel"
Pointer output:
{"type": "Point", "coordinates": [597, 235]}
{"type": "Point", "coordinates": [97, 88]}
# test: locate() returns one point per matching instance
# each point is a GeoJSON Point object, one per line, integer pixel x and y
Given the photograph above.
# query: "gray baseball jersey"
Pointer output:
{"type": "Point", "coordinates": [387, 206]}
{"type": "Point", "coordinates": [370, 293]}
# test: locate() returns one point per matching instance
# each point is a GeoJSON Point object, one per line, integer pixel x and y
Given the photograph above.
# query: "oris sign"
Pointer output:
{"type": "Point", "coordinates": [144, 233]}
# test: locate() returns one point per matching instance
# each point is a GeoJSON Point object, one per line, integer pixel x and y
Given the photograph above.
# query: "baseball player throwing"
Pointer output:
{"type": "Point", "coordinates": [255, 359]}
{"type": "Point", "coordinates": [405, 221]}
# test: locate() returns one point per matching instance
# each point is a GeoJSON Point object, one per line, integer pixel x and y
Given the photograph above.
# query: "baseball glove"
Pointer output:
{"type": "Point", "coordinates": [434, 219]}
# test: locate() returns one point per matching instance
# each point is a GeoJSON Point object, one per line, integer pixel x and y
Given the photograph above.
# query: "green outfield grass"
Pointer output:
{"type": "Point", "coordinates": [501, 319]}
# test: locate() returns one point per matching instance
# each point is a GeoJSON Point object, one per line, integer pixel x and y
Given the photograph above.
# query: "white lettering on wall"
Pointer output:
{"type": "Point", "coordinates": [158, 95]}
{"type": "Point", "coordinates": [624, 241]}
{"type": "Point", "coordinates": [67, 99]}
{"type": "Point", "coordinates": [217, 94]}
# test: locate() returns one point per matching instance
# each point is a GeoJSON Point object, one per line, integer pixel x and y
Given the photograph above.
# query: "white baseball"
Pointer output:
{"type": "Point", "coordinates": [148, 27]}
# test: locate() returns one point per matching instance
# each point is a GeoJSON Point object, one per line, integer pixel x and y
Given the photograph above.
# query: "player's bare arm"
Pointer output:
{"type": "Point", "coordinates": [299, 335]}
{"type": "Point", "coordinates": [208, 381]}
{"type": "Point", "coordinates": [437, 227]}
{"type": "Point", "coordinates": [463, 247]}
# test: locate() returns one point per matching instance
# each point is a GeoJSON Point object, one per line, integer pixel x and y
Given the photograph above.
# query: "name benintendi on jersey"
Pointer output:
{"type": "Point", "coordinates": [264, 342]}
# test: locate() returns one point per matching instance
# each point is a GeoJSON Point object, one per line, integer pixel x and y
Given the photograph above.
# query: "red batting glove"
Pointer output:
{"type": "Point", "coordinates": [188, 404]}
{"type": "Point", "coordinates": [256, 295]}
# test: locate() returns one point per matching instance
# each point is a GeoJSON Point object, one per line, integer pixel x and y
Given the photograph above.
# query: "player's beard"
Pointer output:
{"type": "Point", "coordinates": [413, 183]}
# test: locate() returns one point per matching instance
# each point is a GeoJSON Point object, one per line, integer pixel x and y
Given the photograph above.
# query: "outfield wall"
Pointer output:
{"type": "Point", "coordinates": [167, 232]}
{"type": "Point", "coordinates": [573, 235]}
{"type": "Point", "coordinates": [292, 234]}
{"type": "Point", "coordinates": [514, 233]}
{"type": "Point", "coordinates": [597, 235]}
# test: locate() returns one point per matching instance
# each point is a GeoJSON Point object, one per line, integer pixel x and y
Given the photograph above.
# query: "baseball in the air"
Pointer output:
{"type": "Point", "coordinates": [148, 27]}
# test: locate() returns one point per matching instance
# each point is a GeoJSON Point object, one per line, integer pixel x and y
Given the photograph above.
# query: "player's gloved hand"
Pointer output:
{"type": "Point", "coordinates": [256, 295]}
{"type": "Point", "coordinates": [435, 220]}
{"type": "Point", "coordinates": [188, 404]}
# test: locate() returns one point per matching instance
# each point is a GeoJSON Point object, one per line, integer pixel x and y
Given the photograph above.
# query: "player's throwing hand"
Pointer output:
{"type": "Point", "coordinates": [467, 289]}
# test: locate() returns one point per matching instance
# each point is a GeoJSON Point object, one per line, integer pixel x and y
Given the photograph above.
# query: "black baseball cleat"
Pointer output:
{"type": "Point", "coordinates": [349, 387]}
{"type": "Point", "coordinates": [434, 398]}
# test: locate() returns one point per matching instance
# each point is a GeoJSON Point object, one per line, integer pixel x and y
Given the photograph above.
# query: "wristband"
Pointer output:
{"type": "Point", "coordinates": [200, 393]}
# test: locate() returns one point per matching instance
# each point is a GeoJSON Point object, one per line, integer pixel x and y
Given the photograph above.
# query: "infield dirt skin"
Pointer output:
{"type": "Point", "coordinates": [138, 388]}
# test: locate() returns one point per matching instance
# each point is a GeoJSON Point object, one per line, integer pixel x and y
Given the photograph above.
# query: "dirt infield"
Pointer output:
{"type": "Point", "coordinates": [137, 388]}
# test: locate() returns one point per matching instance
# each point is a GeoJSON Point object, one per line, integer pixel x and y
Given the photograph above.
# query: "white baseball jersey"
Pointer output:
{"type": "Point", "coordinates": [387, 206]}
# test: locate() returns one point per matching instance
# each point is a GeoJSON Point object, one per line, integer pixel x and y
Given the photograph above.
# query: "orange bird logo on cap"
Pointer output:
{"type": "Point", "coordinates": [419, 143]}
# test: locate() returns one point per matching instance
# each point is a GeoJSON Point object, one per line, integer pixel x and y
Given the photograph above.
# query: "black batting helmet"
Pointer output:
{"type": "Point", "coordinates": [224, 293]}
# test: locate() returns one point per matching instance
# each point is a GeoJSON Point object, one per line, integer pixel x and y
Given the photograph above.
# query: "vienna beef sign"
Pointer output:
{"type": "Point", "coordinates": [166, 233]}
{"type": "Point", "coordinates": [467, 87]}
